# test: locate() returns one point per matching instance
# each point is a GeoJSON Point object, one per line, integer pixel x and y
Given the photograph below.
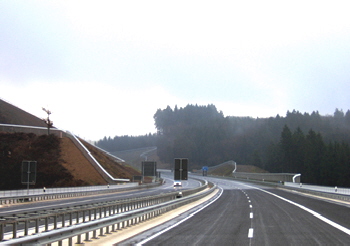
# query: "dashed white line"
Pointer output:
{"type": "Point", "coordinates": [178, 223]}
{"type": "Point", "coordinates": [250, 233]}
{"type": "Point", "coordinates": [251, 215]}
{"type": "Point", "coordinates": [314, 213]}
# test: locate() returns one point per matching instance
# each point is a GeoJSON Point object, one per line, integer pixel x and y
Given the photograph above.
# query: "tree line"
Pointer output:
{"type": "Point", "coordinates": [311, 144]}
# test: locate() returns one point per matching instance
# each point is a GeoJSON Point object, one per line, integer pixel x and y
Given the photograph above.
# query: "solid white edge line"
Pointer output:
{"type": "Point", "coordinates": [178, 223]}
{"type": "Point", "coordinates": [317, 215]}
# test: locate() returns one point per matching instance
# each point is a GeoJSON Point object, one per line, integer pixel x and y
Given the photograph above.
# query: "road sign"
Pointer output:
{"type": "Point", "coordinates": [181, 169]}
{"type": "Point", "coordinates": [205, 171]}
{"type": "Point", "coordinates": [28, 172]}
{"type": "Point", "coordinates": [149, 168]}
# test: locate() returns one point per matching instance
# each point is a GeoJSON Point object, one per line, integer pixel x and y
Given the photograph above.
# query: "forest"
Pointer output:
{"type": "Point", "coordinates": [311, 144]}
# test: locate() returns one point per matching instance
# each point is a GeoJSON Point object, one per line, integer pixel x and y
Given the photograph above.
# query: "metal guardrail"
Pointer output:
{"type": "Point", "coordinates": [93, 218]}
{"type": "Point", "coordinates": [31, 129]}
{"type": "Point", "coordinates": [327, 189]}
{"type": "Point", "coordinates": [329, 193]}
{"type": "Point", "coordinates": [40, 191]}
{"type": "Point", "coordinates": [272, 177]}
{"type": "Point", "coordinates": [69, 193]}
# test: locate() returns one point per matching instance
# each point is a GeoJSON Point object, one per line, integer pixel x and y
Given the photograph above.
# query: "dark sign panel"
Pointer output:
{"type": "Point", "coordinates": [149, 168]}
{"type": "Point", "coordinates": [28, 172]}
{"type": "Point", "coordinates": [181, 169]}
{"type": "Point", "coordinates": [137, 178]}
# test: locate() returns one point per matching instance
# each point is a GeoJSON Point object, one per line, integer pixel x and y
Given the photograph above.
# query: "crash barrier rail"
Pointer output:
{"type": "Point", "coordinates": [69, 192]}
{"type": "Point", "coordinates": [322, 191]}
{"type": "Point", "coordinates": [78, 220]}
{"type": "Point", "coordinates": [222, 164]}
{"type": "Point", "coordinates": [271, 177]}
{"type": "Point", "coordinates": [40, 191]}
{"type": "Point", "coordinates": [327, 189]}
{"type": "Point", "coordinates": [31, 129]}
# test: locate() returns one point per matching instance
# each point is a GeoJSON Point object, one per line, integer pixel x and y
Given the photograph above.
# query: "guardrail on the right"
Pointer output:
{"type": "Point", "coordinates": [324, 191]}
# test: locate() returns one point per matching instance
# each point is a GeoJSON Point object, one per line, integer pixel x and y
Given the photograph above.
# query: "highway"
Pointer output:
{"type": "Point", "coordinates": [34, 208]}
{"type": "Point", "coordinates": [247, 214]}
{"type": "Point", "coordinates": [7, 210]}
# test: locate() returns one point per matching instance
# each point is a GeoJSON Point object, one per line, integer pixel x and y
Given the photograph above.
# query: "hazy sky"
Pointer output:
{"type": "Point", "coordinates": [104, 67]}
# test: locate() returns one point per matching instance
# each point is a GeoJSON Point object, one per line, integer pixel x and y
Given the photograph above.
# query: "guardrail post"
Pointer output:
{"type": "Point", "coordinates": [2, 230]}
{"type": "Point", "coordinates": [84, 211]}
{"type": "Point", "coordinates": [36, 225]}
{"type": "Point", "coordinates": [89, 214]}
{"type": "Point", "coordinates": [87, 237]}
{"type": "Point", "coordinates": [77, 219]}
{"type": "Point", "coordinates": [70, 218]}
{"type": "Point", "coordinates": [101, 232]}
{"type": "Point", "coordinates": [113, 228]}
{"type": "Point", "coordinates": [26, 228]}
{"type": "Point", "coordinates": [94, 235]}
{"type": "Point", "coordinates": [47, 224]}
{"type": "Point", "coordinates": [63, 220]}
{"type": "Point", "coordinates": [78, 239]}
{"type": "Point", "coordinates": [55, 221]}
{"type": "Point", "coordinates": [14, 228]}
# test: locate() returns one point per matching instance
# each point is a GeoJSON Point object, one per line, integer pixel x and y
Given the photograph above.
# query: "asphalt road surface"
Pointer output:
{"type": "Point", "coordinates": [6, 210]}
{"type": "Point", "coordinates": [246, 214]}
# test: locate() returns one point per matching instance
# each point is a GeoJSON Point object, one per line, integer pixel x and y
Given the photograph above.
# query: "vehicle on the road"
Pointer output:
{"type": "Point", "coordinates": [177, 184]}
{"type": "Point", "coordinates": [179, 194]}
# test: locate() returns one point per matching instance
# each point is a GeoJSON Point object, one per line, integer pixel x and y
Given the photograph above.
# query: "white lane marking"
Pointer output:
{"type": "Point", "coordinates": [178, 223]}
{"type": "Point", "coordinates": [317, 215]}
{"type": "Point", "coordinates": [251, 215]}
{"type": "Point", "coordinates": [250, 233]}
{"type": "Point", "coordinates": [250, 206]}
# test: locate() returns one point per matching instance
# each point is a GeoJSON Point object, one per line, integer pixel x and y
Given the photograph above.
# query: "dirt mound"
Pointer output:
{"type": "Point", "coordinates": [78, 165]}
{"type": "Point", "coordinates": [44, 149]}
{"type": "Point", "coordinates": [60, 162]}
{"type": "Point", "coordinates": [10, 114]}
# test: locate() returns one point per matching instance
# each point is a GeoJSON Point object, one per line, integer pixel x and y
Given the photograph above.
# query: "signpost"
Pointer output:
{"type": "Point", "coordinates": [205, 171]}
{"type": "Point", "coordinates": [28, 172]}
{"type": "Point", "coordinates": [149, 168]}
{"type": "Point", "coordinates": [181, 169]}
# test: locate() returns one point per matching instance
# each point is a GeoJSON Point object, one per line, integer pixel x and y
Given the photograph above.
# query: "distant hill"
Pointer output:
{"type": "Point", "coordinates": [10, 114]}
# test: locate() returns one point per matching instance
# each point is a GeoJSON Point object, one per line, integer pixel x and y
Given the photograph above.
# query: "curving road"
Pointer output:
{"type": "Point", "coordinates": [247, 214]}
{"type": "Point", "coordinates": [69, 202]}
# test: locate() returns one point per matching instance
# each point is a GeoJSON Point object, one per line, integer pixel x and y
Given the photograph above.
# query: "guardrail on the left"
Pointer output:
{"type": "Point", "coordinates": [69, 192]}
{"type": "Point", "coordinates": [86, 219]}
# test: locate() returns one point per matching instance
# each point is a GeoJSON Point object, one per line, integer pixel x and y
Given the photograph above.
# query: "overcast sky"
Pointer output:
{"type": "Point", "coordinates": [104, 67]}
